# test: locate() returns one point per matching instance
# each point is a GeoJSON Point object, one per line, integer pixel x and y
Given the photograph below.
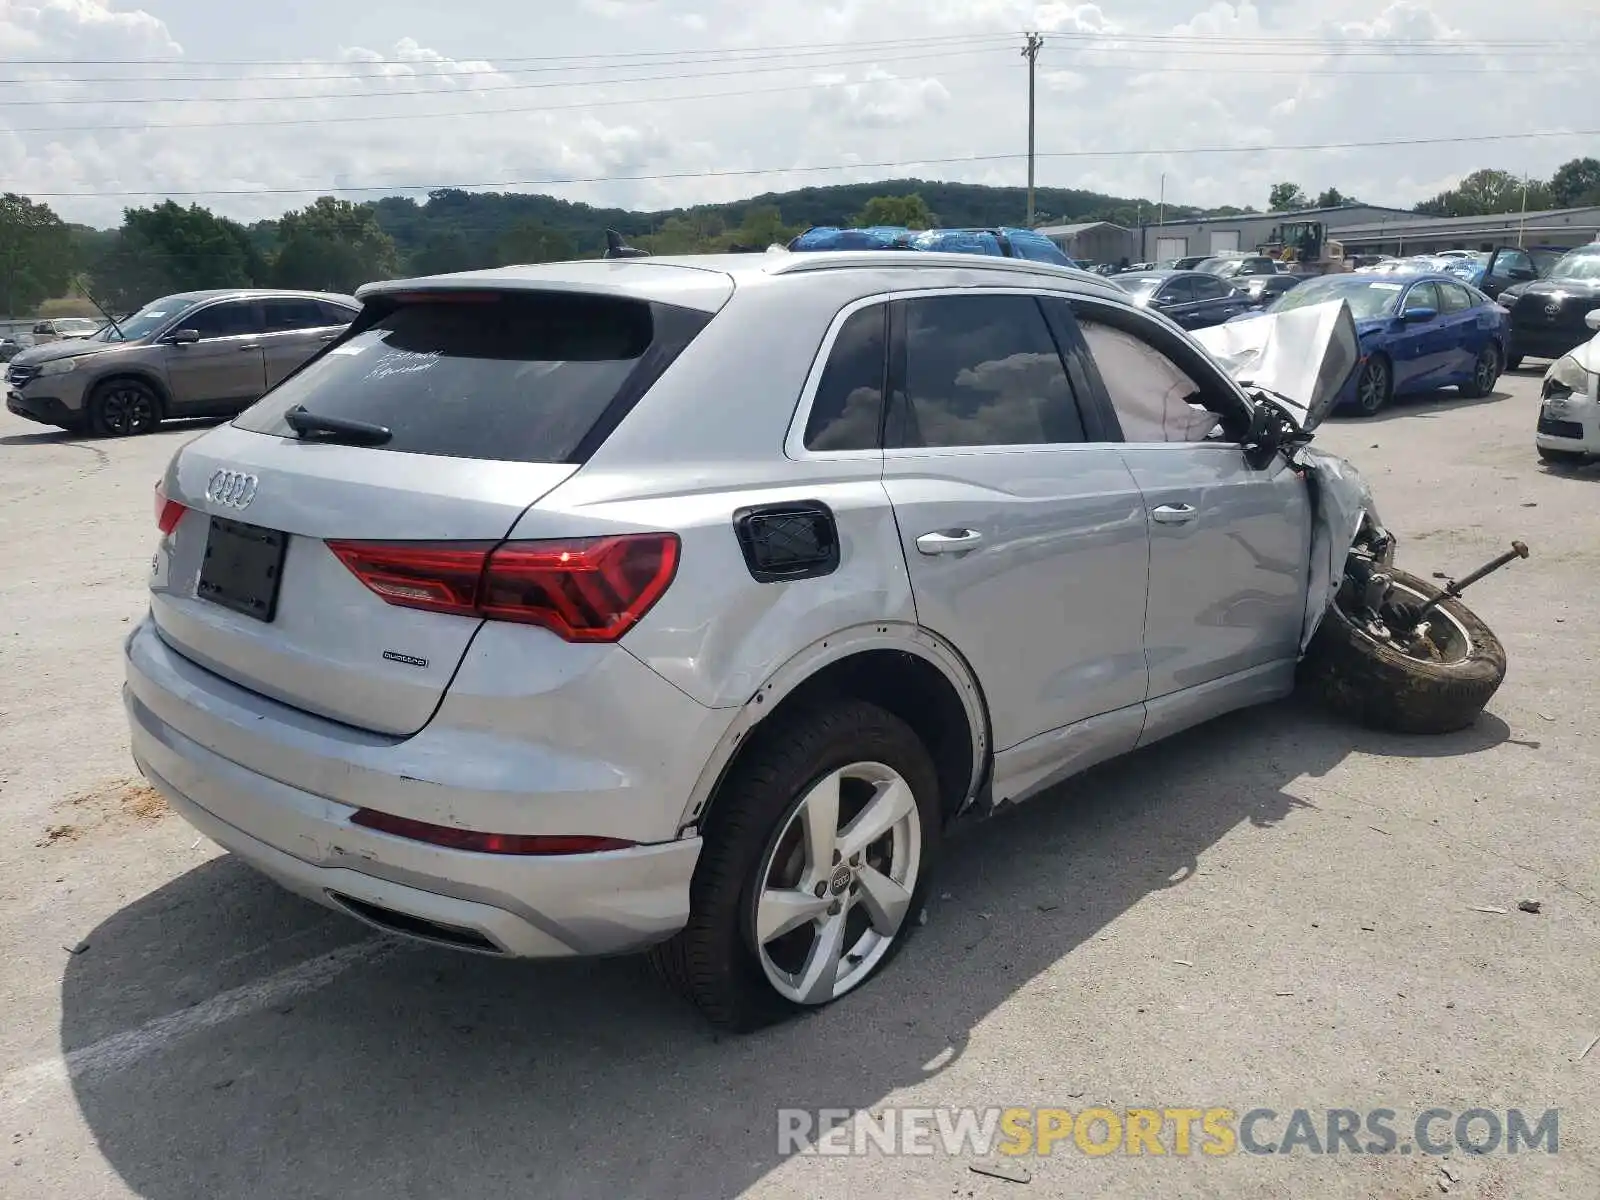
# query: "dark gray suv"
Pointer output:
{"type": "Point", "coordinates": [194, 354]}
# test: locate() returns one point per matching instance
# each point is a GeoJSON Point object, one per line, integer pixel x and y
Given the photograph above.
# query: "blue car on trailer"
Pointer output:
{"type": "Point", "coordinates": [1001, 241]}
{"type": "Point", "coordinates": [1418, 332]}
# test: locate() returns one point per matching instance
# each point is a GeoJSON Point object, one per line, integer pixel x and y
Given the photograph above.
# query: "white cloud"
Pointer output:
{"type": "Point", "coordinates": [1116, 109]}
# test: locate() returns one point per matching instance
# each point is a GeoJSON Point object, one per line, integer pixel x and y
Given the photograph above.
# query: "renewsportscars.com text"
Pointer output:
{"type": "Point", "coordinates": [1184, 1131]}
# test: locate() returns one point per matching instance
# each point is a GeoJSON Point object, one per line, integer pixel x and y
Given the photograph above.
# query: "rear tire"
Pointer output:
{"type": "Point", "coordinates": [718, 961]}
{"type": "Point", "coordinates": [1374, 386]}
{"type": "Point", "coordinates": [1485, 374]}
{"type": "Point", "coordinates": [1513, 361]}
{"type": "Point", "coordinates": [1376, 685]}
{"type": "Point", "coordinates": [123, 408]}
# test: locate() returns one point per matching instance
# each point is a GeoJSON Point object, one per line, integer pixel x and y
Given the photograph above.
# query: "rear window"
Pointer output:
{"type": "Point", "coordinates": [516, 377]}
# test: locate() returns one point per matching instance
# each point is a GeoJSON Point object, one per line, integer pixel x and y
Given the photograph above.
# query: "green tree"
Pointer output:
{"type": "Point", "coordinates": [1485, 192]}
{"type": "Point", "coordinates": [1286, 196]}
{"type": "Point", "coordinates": [37, 254]}
{"type": "Point", "coordinates": [333, 245]}
{"type": "Point", "coordinates": [168, 248]}
{"type": "Point", "coordinates": [1576, 183]}
{"type": "Point", "coordinates": [762, 226]}
{"type": "Point", "coordinates": [444, 252]}
{"type": "Point", "coordinates": [909, 211]}
{"type": "Point", "coordinates": [531, 242]}
{"type": "Point", "coordinates": [1333, 198]}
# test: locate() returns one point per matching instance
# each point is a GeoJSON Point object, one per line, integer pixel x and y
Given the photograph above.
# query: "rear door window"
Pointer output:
{"type": "Point", "coordinates": [981, 371]}
{"type": "Point", "coordinates": [335, 314]}
{"type": "Point", "coordinates": [846, 411]}
{"type": "Point", "coordinates": [289, 313]}
{"type": "Point", "coordinates": [517, 377]}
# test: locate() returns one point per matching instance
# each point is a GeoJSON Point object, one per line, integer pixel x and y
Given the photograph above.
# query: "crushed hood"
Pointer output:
{"type": "Point", "coordinates": [1298, 360]}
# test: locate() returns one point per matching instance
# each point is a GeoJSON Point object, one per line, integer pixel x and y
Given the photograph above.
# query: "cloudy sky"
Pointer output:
{"type": "Point", "coordinates": [254, 108]}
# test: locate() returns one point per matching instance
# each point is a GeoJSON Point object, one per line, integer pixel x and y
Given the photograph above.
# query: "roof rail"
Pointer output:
{"type": "Point", "coordinates": [837, 260]}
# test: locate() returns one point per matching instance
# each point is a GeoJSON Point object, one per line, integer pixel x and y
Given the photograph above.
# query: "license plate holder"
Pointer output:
{"type": "Point", "coordinates": [243, 568]}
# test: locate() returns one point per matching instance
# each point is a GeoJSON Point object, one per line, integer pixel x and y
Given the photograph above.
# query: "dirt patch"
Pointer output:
{"type": "Point", "coordinates": [59, 833]}
{"type": "Point", "coordinates": [123, 802]}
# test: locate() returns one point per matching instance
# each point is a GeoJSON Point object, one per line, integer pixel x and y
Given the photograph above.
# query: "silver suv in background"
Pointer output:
{"type": "Point", "coordinates": [684, 603]}
{"type": "Point", "coordinates": [57, 329]}
{"type": "Point", "coordinates": [195, 354]}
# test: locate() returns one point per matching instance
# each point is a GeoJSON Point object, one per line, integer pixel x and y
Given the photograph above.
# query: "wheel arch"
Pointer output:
{"type": "Point", "coordinates": [139, 375]}
{"type": "Point", "coordinates": [905, 669]}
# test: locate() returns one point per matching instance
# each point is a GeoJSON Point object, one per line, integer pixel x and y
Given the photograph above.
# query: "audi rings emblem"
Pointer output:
{"type": "Point", "coordinates": [232, 489]}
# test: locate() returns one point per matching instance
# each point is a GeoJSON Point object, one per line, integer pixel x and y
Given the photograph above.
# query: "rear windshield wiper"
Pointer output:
{"type": "Point", "coordinates": [360, 433]}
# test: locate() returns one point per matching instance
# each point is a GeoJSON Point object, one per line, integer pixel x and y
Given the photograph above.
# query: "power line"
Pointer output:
{"type": "Point", "coordinates": [1115, 45]}
{"type": "Point", "coordinates": [470, 67]}
{"type": "Point", "coordinates": [510, 87]}
{"type": "Point", "coordinates": [1185, 151]}
{"type": "Point", "coordinates": [1271, 43]}
{"type": "Point", "coordinates": [473, 113]}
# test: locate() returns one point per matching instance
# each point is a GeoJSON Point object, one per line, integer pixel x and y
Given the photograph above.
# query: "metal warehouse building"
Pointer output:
{"type": "Point", "coordinates": [1212, 235]}
{"type": "Point", "coordinates": [1370, 228]}
{"type": "Point", "coordinates": [1564, 227]}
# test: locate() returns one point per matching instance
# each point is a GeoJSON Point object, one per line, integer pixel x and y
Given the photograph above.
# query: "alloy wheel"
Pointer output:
{"type": "Point", "coordinates": [127, 410]}
{"type": "Point", "coordinates": [1372, 390]}
{"type": "Point", "coordinates": [1484, 373]}
{"type": "Point", "coordinates": [836, 882]}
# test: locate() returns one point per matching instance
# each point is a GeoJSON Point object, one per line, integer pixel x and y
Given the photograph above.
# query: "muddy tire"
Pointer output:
{"type": "Point", "coordinates": [1376, 685]}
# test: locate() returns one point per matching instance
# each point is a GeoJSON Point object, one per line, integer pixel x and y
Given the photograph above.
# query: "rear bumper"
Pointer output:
{"type": "Point", "coordinates": [522, 906]}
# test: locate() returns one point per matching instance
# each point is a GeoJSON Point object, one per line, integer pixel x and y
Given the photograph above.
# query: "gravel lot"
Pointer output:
{"type": "Point", "coordinates": [1271, 911]}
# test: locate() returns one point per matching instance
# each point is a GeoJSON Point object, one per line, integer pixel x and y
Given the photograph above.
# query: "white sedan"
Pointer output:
{"type": "Point", "coordinates": [1569, 412]}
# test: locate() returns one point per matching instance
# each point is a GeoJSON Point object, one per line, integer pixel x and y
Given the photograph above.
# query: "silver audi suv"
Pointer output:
{"type": "Point", "coordinates": [684, 603]}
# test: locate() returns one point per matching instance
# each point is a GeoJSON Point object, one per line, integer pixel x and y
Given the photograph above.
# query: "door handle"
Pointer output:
{"type": "Point", "coordinates": [327, 337]}
{"type": "Point", "coordinates": [954, 542]}
{"type": "Point", "coordinates": [1174, 514]}
{"type": "Point", "coordinates": [250, 347]}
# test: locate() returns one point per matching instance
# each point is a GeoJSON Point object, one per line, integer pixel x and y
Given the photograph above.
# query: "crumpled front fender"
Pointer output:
{"type": "Point", "coordinates": [1341, 504]}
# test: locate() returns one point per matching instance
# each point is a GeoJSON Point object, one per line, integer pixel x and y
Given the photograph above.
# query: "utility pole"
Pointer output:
{"type": "Point", "coordinates": [1031, 53]}
{"type": "Point", "coordinates": [1522, 223]}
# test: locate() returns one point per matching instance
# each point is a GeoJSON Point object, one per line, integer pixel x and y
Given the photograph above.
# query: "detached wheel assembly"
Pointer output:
{"type": "Point", "coordinates": [1380, 665]}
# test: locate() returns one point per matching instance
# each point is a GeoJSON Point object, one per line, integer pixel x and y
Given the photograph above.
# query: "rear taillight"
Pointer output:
{"type": "Point", "coordinates": [583, 590]}
{"type": "Point", "coordinates": [485, 843]}
{"type": "Point", "coordinates": [168, 512]}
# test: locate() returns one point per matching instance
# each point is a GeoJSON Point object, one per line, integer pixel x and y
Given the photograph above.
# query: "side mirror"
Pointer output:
{"type": "Point", "coordinates": [183, 337]}
{"type": "Point", "coordinates": [1415, 316]}
{"type": "Point", "coordinates": [1592, 320]}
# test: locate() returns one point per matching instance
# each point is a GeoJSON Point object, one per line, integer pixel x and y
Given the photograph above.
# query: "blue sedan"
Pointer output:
{"type": "Point", "coordinates": [1418, 332]}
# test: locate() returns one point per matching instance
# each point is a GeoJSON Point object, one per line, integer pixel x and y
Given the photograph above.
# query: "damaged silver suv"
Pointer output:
{"type": "Point", "coordinates": [685, 604]}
